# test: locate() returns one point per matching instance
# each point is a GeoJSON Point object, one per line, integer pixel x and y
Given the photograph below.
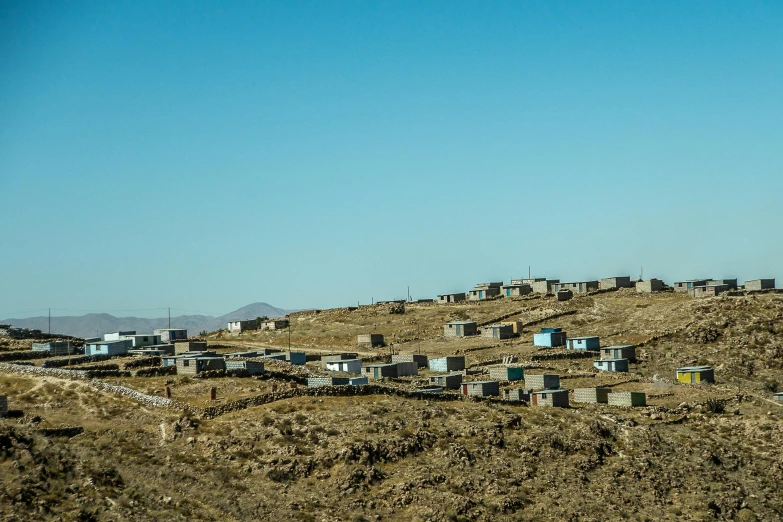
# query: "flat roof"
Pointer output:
{"type": "Point", "coordinates": [109, 342]}
{"type": "Point", "coordinates": [610, 360]}
{"type": "Point", "coordinates": [481, 382]}
{"type": "Point", "coordinates": [693, 368]}
{"type": "Point", "coordinates": [560, 390]}
{"type": "Point", "coordinates": [584, 337]}
{"type": "Point", "coordinates": [462, 322]}
{"type": "Point", "coordinates": [343, 361]}
{"type": "Point", "coordinates": [617, 346]}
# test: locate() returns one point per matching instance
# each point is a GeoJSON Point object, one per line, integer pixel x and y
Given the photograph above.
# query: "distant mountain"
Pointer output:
{"type": "Point", "coordinates": [95, 325]}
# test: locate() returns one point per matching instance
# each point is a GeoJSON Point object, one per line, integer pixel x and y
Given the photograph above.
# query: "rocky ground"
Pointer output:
{"type": "Point", "coordinates": [709, 452]}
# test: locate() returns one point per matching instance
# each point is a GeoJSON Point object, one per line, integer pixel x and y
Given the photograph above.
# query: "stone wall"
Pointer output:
{"type": "Point", "coordinates": [59, 363]}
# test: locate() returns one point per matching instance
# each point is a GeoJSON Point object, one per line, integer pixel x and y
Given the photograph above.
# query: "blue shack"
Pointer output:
{"type": "Point", "coordinates": [611, 365]}
{"type": "Point", "coordinates": [550, 337]}
{"type": "Point", "coordinates": [110, 348]}
{"type": "Point", "coordinates": [590, 343]}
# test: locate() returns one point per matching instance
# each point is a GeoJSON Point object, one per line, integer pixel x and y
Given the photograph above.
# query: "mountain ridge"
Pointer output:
{"type": "Point", "coordinates": [97, 324]}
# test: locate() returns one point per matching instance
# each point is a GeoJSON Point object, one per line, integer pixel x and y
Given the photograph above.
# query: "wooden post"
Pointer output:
{"type": "Point", "coordinates": [168, 392]}
{"type": "Point", "coordinates": [213, 393]}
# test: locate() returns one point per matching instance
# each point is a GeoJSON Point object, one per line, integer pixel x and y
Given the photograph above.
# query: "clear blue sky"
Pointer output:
{"type": "Point", "coordinates": [205, 155]}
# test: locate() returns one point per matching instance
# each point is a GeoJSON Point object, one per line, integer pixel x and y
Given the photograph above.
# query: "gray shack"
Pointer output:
{"type": "Point", "coordinates": [481, 388]}
{"type": "Point", "coordinates": [460, 329]}
{"type": "Point", "coordinates": [189, 346]}
{"type": "Point", "coordinates": [451, 298]}
{"type": "Point", "coordinates": [393, 370]}
{"type": "Point", "coordinates": [450, 363]}
{"type": "Point", "coordinates": [251, 367]}
{"type": "Point", "coordinates": [485, 291]}
{"type": "Point", "coordinates": [592, 395]}
{"type": "Point", "coordinates": [648, 287]}
{"type": "Point", "coordinates": [627, 399]}
{"type": "Point", "coordinates": [451, 381]}
{"type": "Point", "coordinates": [516, 394]}
{"type": "Point", "coordinates": [516, 290]}
{"type": "Point", "coordinates": [759, 284]}
{"type": "Point", "coordinates": [544, 286]}
{"type": "Point", "coordinates": [498, 331]}
{"type": "Point", "coordinates": [370, 340]}
{"type": "Point", "coordinates": [169, 335]}
{"type": "Point", "coordinates": [196, 365]}
{"type": "Point", "coordinates": [611, 283]}
{"type": "Point", "coordinates": [421, 360]}
{"type": "Point", "coordinates": [619, 352]}
{"type": "Point", "coordinates": [317, 382]}
{"type": "Point", "coordinates": [550, 398]}
{"type": "Point", "coordinates": [55, 348]}
{"type": "Point", "coordinates": [542, 381]}
{"type": "Point", "coordinates": [578, 287]}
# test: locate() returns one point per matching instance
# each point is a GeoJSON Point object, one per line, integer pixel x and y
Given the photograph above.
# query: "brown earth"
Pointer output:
{"type": "Point", "coordinates": [709, 452]}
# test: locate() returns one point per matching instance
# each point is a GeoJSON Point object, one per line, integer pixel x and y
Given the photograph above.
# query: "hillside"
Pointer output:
{"type": "Point", "coordinates": [708, 452]}
{"type": "Point", "coordinates": [94, 325]}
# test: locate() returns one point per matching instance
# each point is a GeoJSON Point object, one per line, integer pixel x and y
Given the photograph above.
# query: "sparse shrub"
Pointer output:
{"type": "Point", "coordinates": [716, 406]}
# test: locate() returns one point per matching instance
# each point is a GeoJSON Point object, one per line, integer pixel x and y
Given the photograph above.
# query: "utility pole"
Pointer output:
{"type": "Point", "coordinates": [50, 321]}
{"type": "Point", "coordinates": [290, 324]}
{"type": "Point", "coordinates": [409, 293]}
{"type": "Point", "coordinates": [528, 273]}
{"type": "Point", "coordinates": [169, 317]}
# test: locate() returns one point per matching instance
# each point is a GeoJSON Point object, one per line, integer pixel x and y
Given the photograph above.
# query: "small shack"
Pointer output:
{"type": "Point", "coordinates": [627, 399]}
{"type": "Point", "coordinates": [460, 329]}
{"type": "Point", "coordinates": [550, 338]}
{"type": "Point", "coordinates": [542, 381]}
{"type": "Point", "coordinates": [358, 381]}
{"type": "Point", "coordinates": [481, 388]}
{"type": "Point", "coordinates": [392, 370]}
{"type": "Point", "coordinates": [777, 396]}
{"type": "Point", "coordinates": [507, 373]}
{"type": "Point", "coordinates": [695, 374]}
{"type": "Point", "coordinates": [516, 290]}
{"type": "Point", "coordinates": [111, 348]}
{"type": "Point", "coordinates": [592, 395]}
{"type": "Point", "coordinates": [578, 287]}
{"type": "Point", "coordinates": [275, 324]}
{"type": "Point", "coordinates": [619, 352]}
{"type": "Point", "coordinates": [564, 294]}
{"type": "Point", "coordinates": [708, 290]}
{"type": "Point", "coordinates": [169, 335]}
{"type": "Point", "coordinates": [56, 348]}
{"type": "Point", "coordinates": [516, 394]}
{"type": "Point", "coordinates": [648, 287]}
{"type": "Point", "coordinates": [759, 284]}
{"type": "Point", "coordinates": [498, 331]}
{"type": "Point", "coordinates": [484, 291]}
{"type": "Point", "coordinates": [421, 360]}
{"type": "Point", "coordinates": [189, 346]}
{"type": "Point", "coordinates": [370, 340]}
{"type": "Point", "coordinates": [550, 398]}
{"type": "Point", "coordinates": [196, 365]}
{"type": "Point", "coordinates": [591, 343]}
{"type": "Point", "coordinates": [317, 382]}
{"type": "Point", "coordinates": [611, 365]}
{"type": "Point", "coordinates": [345, 365]}
{"type": "Point", "coordinates": [298, 358]}
{"type": "Point", "coordinates": [137, 341]}
{"type": "Point", "coordinates": [451, 298]}
{"type": "Point", "coordinates": [451, 381]}
{"type": "Point", "coordinates": [450, 363]}
{"type": "Point", "coordinates": [239, 364]}
{"type": "Point", "coordinates": [612, 283]}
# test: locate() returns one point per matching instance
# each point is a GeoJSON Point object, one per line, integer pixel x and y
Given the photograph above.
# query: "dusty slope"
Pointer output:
{"type": "Point", "coordinates": [388, 458]}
